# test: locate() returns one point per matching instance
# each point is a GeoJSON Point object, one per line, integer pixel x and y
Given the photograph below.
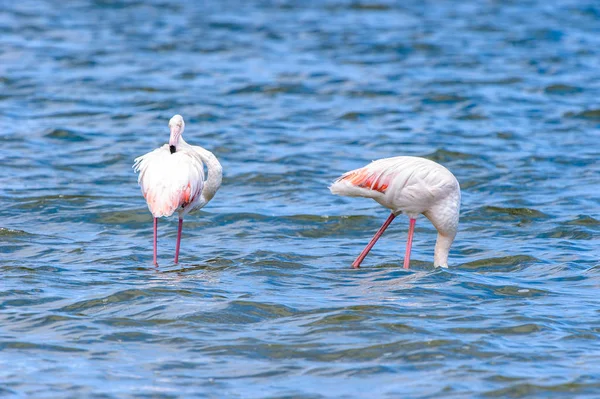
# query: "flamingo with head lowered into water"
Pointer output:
{"type": "Point", "coordinates": [172, 179]}
{"type": "Point", "coordinates": [409, 185]}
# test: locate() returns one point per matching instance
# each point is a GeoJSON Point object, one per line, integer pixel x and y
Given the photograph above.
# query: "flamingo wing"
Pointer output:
{"type": "Point", "coordinates": [370, 181]}
{"type": "Point", "coordinates": [366, 178]}
{"type": "Point", "coordinates": [408, 184]}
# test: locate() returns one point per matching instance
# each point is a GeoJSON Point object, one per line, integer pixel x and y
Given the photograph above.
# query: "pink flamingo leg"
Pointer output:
{"type": "Point", "coordinates": [178, 240]}
{"type": "Point", "coordinates": [365, 251]}
{"type": "Point", "coordinates": [411, 231]}
{"type": "Point", "coordinates": [155, 238]}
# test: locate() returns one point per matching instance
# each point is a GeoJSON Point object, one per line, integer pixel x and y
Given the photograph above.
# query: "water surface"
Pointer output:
{"type": "Point", "coordinates": [289, 95]}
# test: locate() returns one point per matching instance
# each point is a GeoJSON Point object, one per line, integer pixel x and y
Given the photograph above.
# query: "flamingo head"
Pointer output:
{"type": "Point", "coordinates": [176, 125]}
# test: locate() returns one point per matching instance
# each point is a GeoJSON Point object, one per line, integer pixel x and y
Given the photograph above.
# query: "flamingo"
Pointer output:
{"type": "Point", "coordinates": [411, 185]}
{"type": "Point", "coordinates": [172, 178]}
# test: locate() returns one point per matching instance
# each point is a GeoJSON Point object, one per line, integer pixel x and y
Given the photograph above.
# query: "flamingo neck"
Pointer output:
{"type": "Point", "coordinates": [444, 217]}
{"type": "Point", "coordinates": [214, 175]}
{"type": "Point", "coordinates": [442, 248]}
{"type": "Point", "coordinates": [175, 138]}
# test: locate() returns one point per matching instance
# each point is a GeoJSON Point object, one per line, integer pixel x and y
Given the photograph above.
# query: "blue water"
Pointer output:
{"type": "Point", "coordinates": [289, 95]}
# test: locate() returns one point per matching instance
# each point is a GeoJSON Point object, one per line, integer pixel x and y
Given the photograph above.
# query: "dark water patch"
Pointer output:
{"type": "Point", "coordinates": [495, 291]}
{"type": "Point", "coordinates": [28, 346]}
{"type": "Point", "coordinates": [372, 93]}
{"type": "Point", "coordinates": [27, 302]}
{"type": "Point", "coordinates": [569, 233]}
{"type": "Point", "coordinates": [225, 218]}
{"type": "Point", "coordinates": [582, 220]}
{"type": "Point", "coordinates": [261, 310]}
{"type": "Point", "coordinates": [478, 82]}
{"type": "Point", "coordinates": [513, 330]}
{"type": "Point", "coordinates": [369, 6]}
{"type": "Point", "coordinates": [342, 226]}
{"type": "Point", "coordinates": [329, 228]}
{"type": "Point", "coordinates": [269, 179]}
{"type": "Point", "coordinates": [33, 270]}
{"type": "Point", "coordinates": [146, 89]}
{"type": "Point", "coordinates": [51, 320]}
{"type": "Point", "coordinates": [241, 312]}
{"type": "Point", "coordinates": [435, 99]}
{"type": "Point", "coordinates": [586, 336]}
{"type": "Point", "coordinates": [271, 89]}
{"type": "Point", "coordinates": [7, 391]}
{"type": "Point", "coordinates": [338, 321]}
{"type": "Point", "coordinates": [516, 215]}
{"type": "Point", "coordinates": [121, 116]}
{"type": "Point", "coordinates": [206, 117]}
{"type": "Point", "coordinates": [500, 265]}
{"type": "Point", "coordinates": [313, 219]}
{"type": "Point", "coordinates": [266, 266]}
{"type": "Point", "coordinates": [123, 217]}
{"type": "Point", "coordinates": [132, 336]}
{"type": "Point", "coordinates": [121, 297]}
{"type": "Point", "coordinates": [562, 89]}
{"type": "Point", "coordinates": [407, 350]}
{"type": "Point", "coordinates": [525, 390]}
{"type": "Point", "coordinates": [66, 135]}
{"type": "Point", "coordinates": [503, 378]}
{"type": "Point", "coordinates": [353, 116]}
{"type": "Point", "coordinates": [179, 365]}
{"type": "Point", "coordinates": [590, 114]}
{"type": "Point", "coordinates": [134, 323]}
{"type": "Point", "coordinates": [19, 292]}
{"type": "Point", "coordinates": [213, 265]}
{"type": "Point", "coordinates": [472, 117]}
{"type": "Point", "coordinates": [444, 156]}
{"type": "Point", "coordinates": [52, 204]}
{"type": "Point", "coordinates": [9, 233]}
{"type": "Point", "coordinates": [34, 201]}
{"type": "Point", "coordinates": [228, 25]}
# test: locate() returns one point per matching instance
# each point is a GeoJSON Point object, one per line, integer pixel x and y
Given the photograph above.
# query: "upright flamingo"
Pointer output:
{"type": "Point", "coordinates": [172, 178]}
{"type": "Point", "coordinates": [411, 185]}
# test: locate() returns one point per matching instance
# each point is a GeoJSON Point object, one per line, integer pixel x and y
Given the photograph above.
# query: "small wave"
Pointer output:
{"type": "Point", "coordinates": [271, 89]}
{"type": "Point", "coordinates": [528, 390]}
{"type": "Point", "coordinates": [4, 232]}
{"type": "Point", "coordinates": [126, 296]}
{"type": "Point", "coordinates": [562, 89]}
{"type": "Point", "coordinates": [241, 312]}
{"type": "Point", "coordinates": [591, 114]}
{"type": "Point", "coordinates": [66, 135]}
{"type": "Point", "coordinates": [521, 329]}
{"type": "Point", "coordinates": [20, 345]}
{"type": "Point", "coordinates": [520, 215]}
{"type": "Point", "coordinates": [503, 264]}
{"type": "Point", "coordinates": [569, 233]}
{"type": "Point", "coordinates": [435, 99]}
{"type": "Point", "coordinates": [584, 220]}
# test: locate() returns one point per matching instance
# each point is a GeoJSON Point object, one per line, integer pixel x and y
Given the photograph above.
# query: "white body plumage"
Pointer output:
{"type": "Point", "coordinates": [175, 181]}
